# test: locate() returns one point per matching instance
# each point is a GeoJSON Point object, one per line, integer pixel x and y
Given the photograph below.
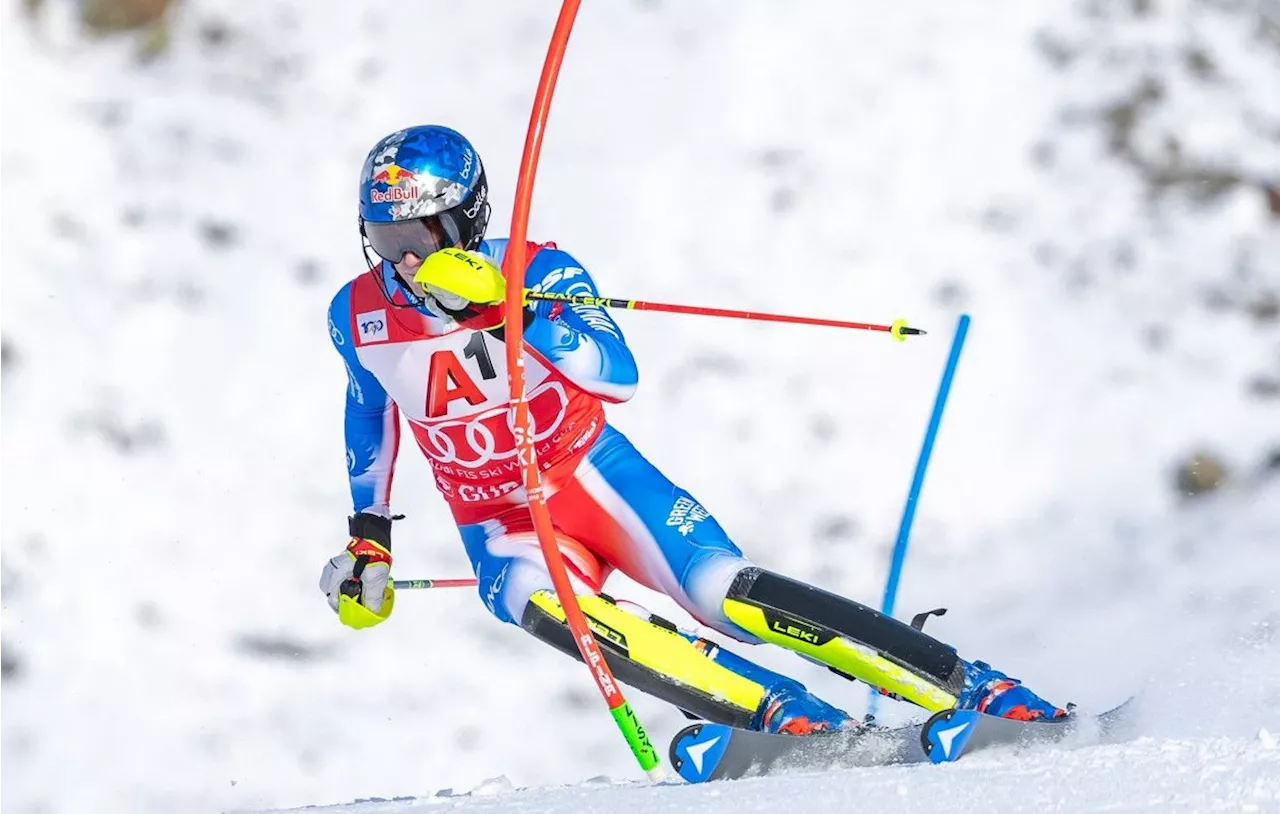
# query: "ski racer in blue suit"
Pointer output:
{"type": "Point", "coordinates": [422, 336]}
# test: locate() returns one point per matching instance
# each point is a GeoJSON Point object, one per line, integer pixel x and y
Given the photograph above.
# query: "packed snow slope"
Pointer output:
{"type": "Point", "coordinates": [1150, 776]}
{"type": "Point", "coordinates": [1096, 184]}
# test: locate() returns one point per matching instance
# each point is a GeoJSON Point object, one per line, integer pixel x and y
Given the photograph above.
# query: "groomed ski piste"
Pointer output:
{"type": "Point", "coordinates": [173, 474]}
{"type": "Point", "coordinates": [1154, 776]}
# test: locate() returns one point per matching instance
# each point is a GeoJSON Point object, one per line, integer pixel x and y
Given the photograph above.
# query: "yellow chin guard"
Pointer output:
{"type": "Point", "coordinates": [354, 615]}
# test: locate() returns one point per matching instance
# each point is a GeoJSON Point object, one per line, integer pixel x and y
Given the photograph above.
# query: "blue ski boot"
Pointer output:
{"type": "Point", "coordinates": [992, 692]}
{"type": "Point", "coordinates": [787, 708]}
{"type": "Point", "coordinates": [790, 709]}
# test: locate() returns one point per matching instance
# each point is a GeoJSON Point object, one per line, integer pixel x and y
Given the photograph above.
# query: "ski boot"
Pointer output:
{"type": "Point", "coordinates": [790, 709]}
{"type": "Point", "coordinates": [990, 691]}
{"type": "Point", "coordinates": [787, 707]}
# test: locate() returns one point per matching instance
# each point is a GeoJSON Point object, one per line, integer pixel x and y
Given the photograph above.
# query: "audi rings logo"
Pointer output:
{"type": "Point", "coordinates": [490, 436]}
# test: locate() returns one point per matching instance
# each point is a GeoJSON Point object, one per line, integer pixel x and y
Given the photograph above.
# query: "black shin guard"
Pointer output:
{"type": "Point", "coordinates": [787, 601]}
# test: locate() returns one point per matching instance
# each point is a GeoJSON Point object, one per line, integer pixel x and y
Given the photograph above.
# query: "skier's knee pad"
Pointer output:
{"type": "Point", "coordinates": [651, 655]}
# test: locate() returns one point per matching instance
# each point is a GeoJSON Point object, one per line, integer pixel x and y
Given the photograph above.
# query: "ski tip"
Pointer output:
{"type": "Point", "coordinates": [696, 751]}
{"type": "Point", "coordinates": [1121, 719]}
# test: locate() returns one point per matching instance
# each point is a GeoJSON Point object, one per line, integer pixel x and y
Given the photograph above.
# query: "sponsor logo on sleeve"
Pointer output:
{"type": "Point", "coordinates": [354, 388]}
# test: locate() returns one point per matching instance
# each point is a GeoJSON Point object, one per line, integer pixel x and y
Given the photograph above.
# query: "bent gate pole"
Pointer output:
{"type": "Point", "coordinates": [513, 268]}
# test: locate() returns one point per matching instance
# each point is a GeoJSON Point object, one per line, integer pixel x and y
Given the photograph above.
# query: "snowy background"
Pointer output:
{"type": "Point", "coordinates": [1096, 183]}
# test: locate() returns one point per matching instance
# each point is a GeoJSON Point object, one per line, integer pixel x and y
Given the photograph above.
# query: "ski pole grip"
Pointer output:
{"type": "Point", "coordinates": [352, 587]}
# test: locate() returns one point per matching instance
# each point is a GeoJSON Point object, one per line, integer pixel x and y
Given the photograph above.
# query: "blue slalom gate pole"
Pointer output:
{"type": "Point", "coordinates": [917, 482]}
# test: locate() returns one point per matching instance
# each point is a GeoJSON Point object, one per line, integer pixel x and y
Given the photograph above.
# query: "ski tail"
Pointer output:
{"type": "Point", "coordinates": [652, 656]}
{"type": "Point", "coordinates": [850, 638]}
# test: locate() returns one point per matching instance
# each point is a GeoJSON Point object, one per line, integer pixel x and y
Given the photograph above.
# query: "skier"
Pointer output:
{"type": "Point", "coordinates": [422, 334]}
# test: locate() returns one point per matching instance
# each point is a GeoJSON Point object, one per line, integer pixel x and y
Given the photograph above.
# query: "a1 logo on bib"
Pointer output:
{"type": "Point", "coordinates": [371, 326]}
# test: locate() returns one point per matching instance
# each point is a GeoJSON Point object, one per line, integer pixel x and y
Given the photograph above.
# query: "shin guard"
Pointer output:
{"type": "Point", "coordinates": [850, 638]}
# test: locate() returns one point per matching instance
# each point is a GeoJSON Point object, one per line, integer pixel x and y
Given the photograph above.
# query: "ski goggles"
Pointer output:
{"type": "Point", "coordinates": [421, 236]}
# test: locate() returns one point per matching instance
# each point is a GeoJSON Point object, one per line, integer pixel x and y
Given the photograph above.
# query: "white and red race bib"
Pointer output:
{"type": "Point", "coordinates": [452, 388]}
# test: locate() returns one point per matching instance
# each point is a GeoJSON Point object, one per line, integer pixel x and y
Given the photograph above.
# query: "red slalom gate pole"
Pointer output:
{"type": "Point", "coordinates": [898, 329]}
{"type": "Point", "coordinates": [513, 267]}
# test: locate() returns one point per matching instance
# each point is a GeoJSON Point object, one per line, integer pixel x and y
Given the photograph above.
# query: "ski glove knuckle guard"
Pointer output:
{"type": "Point", "coordinates": [456, 277]}
{"type": "Point", "coordinates": [357, 582]}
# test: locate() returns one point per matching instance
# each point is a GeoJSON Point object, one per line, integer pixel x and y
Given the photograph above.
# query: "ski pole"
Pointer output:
{"type": "Point", "coordinates": [899, 329]}
{"type": "Point", "coordinates": [414, 584]}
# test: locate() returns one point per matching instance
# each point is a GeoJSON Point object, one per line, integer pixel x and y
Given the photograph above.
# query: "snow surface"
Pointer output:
{"type": "Point", "coordinates": [1217, 774]}
{"type": "Point", "coordinates": [172, 451]}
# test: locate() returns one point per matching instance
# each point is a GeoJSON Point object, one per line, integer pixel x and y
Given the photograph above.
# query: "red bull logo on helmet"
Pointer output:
{"type": "Point", "coordinates": [395, 194]}
{"type": "Point", "coordinates": [393, 176]}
